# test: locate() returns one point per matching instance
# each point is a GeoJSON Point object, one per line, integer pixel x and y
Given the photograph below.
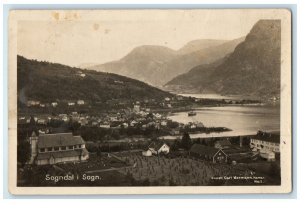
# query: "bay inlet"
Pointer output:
{"type": "Point", "coordinates": [242, 120]}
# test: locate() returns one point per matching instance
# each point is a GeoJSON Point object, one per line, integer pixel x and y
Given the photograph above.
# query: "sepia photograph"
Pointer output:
{"type": "Point", "coordinates": [150, 101]}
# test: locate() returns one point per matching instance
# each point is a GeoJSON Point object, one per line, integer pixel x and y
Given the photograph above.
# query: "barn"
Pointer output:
{"type": "Point", "coordinates": [208, 153]}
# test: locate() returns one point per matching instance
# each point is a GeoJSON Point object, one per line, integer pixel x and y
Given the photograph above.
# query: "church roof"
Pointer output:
{"type": "Point", "coordinates": [57, 140]}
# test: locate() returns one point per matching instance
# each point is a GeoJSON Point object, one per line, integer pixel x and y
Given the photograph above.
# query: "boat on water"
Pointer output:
{"type": "Point", "coordinates": [192, 113]}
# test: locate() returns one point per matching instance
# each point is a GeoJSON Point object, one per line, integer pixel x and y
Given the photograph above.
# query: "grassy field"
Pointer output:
{"type": "Point", "coordinates": [178, 171]}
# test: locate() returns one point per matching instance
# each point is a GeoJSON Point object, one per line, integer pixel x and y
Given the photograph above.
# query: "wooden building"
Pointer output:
{"type": "Point", "coordinates": [57, 148]}
{"type": "Point", "coordinates": [208, 153]}
{"type": "Point", "coordinates": [159, 147]}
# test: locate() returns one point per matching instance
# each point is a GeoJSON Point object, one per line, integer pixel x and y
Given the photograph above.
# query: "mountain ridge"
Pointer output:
{"type": "Point", "coordinates": [156, 65]}
{"type": "Point", "coordinates": [48, 82]}
{"type": "Point", "coordinates": [252, 68]}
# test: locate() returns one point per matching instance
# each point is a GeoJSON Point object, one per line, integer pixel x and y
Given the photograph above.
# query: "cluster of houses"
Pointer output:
{"type": "Point", "coordinates": [37, 103]}
{"type": "Point", "coordinates": [65, 147]}
{"type": "Point", "coordinates": [264, 144]}
{"type": "Point", "coordinates": [136, 117]}
{"type": "Point", "coordinates": [81, 74]}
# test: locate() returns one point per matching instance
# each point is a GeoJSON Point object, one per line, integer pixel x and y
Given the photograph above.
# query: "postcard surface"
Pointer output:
{"type": "Point", "coordinates": [150, 101]}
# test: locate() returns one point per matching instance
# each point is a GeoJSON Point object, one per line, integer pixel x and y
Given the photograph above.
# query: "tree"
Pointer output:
{"type": "Point", "coordinates": [176, 145]}
{"type": "Point", "coordinates": [74, 126]}
{"type": "Point", "coordinates": [186, 141]}
{"type": "Point", "coordinates": [23, 152]}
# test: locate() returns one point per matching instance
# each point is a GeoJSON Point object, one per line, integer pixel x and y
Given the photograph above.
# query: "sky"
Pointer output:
{"type": "Point", "coordinates": [81, 38]}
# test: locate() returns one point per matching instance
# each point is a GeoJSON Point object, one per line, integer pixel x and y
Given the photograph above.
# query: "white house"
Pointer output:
{"type": "Point", "coordinates": [33, 103]}
{"type": "Point", "coordinates": [147, 153]}
{"type": "Point", "coordinates": [266, 143]}
{"type": "Point", "coordinates": [42, 121]}
{"type": "Point", "coordinates": [125, 125]}
{"type": "Point", "coordinates": [159, 147]}
{"type": "Point", "coordinates": [157, 115]}
{"type": "Point", "coordinates": [104, 125]}
{"type": "Point", "coordinates": [163, 123]}
{"type": "Point", "coordinates": [80, 102]}
{"type": "Point", "coordinates": [54, 104]}
{"type": "Point", "coordinates": [71, 103]}
{"type": "Point", "coordinates": [167, 99]}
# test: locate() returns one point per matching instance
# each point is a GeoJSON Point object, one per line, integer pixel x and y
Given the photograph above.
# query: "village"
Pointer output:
{"type": "Point", "coordinates": [127, 144]}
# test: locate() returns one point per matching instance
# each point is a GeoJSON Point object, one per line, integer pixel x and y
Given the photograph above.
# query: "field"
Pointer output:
{"type": "Point", "coordinates": [177, 171]}
{"type": "Point", "coordinates": [133, 169]}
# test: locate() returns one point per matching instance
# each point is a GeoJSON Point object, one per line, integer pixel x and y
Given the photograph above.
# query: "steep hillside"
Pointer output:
{"type": "Point", "coordinates": [157, 65]}
{"type": "Point", "coordinates": [253, 68]}
{"type": "Point", "coordinates": [49, 82]}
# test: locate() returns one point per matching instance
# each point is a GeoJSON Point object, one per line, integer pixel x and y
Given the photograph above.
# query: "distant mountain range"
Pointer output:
{"type": "Point", "coordinates": [48, 82]}
{"type": "Point", "coordinates": [156, 65]}
{"type": "Point", "coordinates": [252, 69]}
{"type": "Point", "coordinates": [244, 66]}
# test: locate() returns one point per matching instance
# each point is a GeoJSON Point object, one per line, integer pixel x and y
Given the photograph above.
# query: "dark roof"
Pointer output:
{"type": "Point", "coordinates": [273, 136]}
{"type": "Point", "coordinates": [62, 154]}
{"type": "Point", "coordinates": [202, 149]}
{"type": "Point", "coordinates": [156, 145]}
{"type": "Point", "coordinates": [56, 140]}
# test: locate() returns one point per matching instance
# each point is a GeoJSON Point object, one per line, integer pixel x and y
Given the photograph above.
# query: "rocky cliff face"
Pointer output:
{"type": "Point", "coordinates": [253, 68]}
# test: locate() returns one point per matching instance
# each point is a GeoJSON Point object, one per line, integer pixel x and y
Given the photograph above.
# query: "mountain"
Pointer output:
{"type": "Point", "coordinates": [157, 65]}
{"type": "Point", "coordinates": [199, 44]}
{"type": "Point", "coordinates": [253, 68]}
{"type": "Point", "coordinates": [48, 82]}
{"type": "Point", "coordinates": [142, 63]}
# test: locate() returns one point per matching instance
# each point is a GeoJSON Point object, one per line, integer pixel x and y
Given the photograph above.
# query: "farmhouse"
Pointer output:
{"type": "Point", "coordinates": [208, 153]}
{"type": "Point", "coordinates": [267, 143]}
{"type": "Point", "coordinates": [159, 147]}
{"type": "Point", "coordinates": [57, 148]}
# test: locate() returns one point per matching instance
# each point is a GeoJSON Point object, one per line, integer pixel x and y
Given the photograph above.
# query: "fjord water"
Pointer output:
{"type": "Point", "coordinates": [217, 96]}
{"type": "Point", "coordinates": [242, 120]}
